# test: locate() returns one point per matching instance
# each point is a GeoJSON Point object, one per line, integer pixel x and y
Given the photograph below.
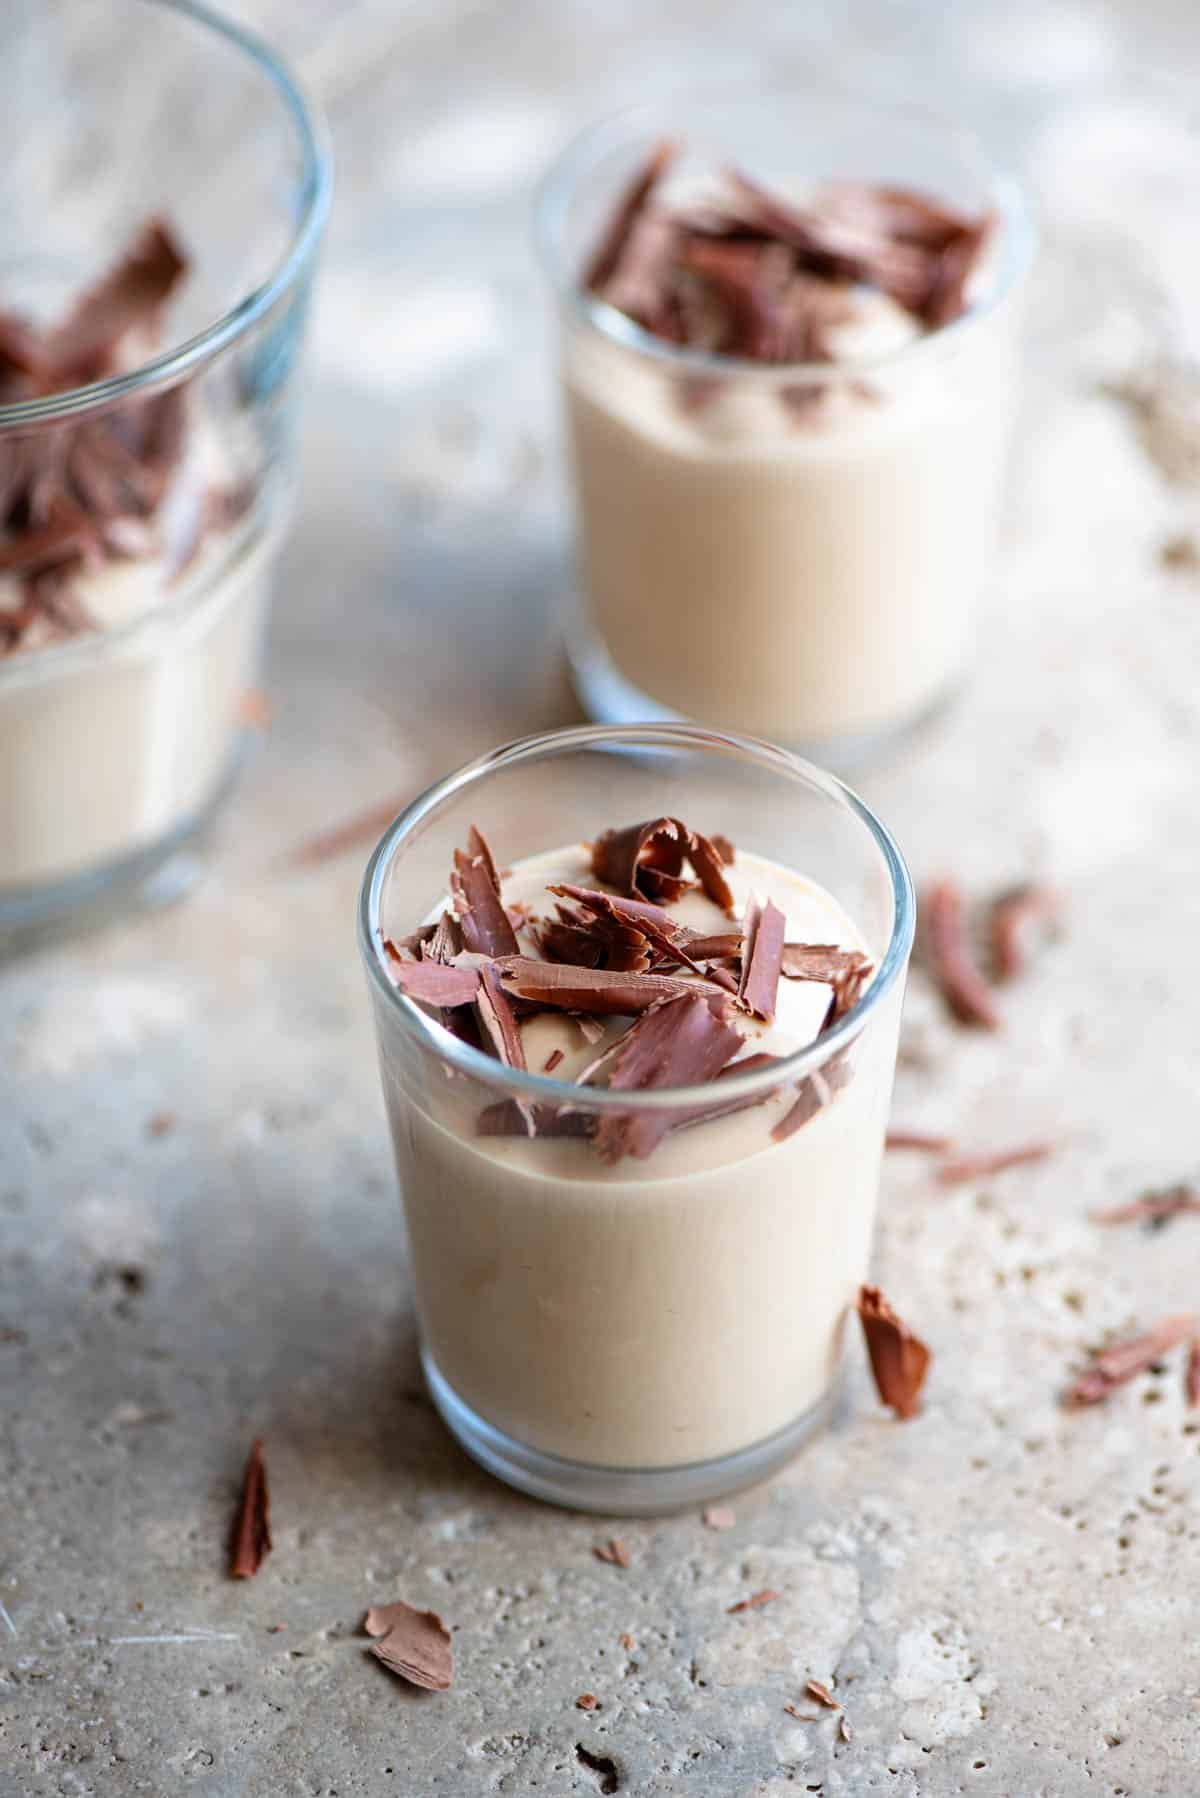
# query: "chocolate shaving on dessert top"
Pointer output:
{"type": "Point", "coordinates": [762, 958]}
{"type": "Point", "coordinates": [507, 1118]}
{"type": "Point", "coordinates": [251, 1541]}
{"type": "Point", "coordinates": [476, 890]}
{"type": "Point", "coordinates": [649, 923]}
{"type": "Point", "coordinates": [645, 861]}
{"type": "Point", "coordinates": [434, 982]}
{"type": "Point", "coordinates": [606, 259]}
{"type": "Point", "coordinates": [413, 1644]}
{"type": "Point", "coordinates": [566, 988]}
{"type": "Point", "coordinates": [748, 273]}
{"type": "Point", "coordinates": [899, 1360]}
{"type": "Point", "coordinates": [823, 962]}
{"type": "Point", "coordinates": [87, 490]}
{"type": "Point", "coordinates": [497, 1018]}
{"type": "Point", "coordinates": [685, 1042]}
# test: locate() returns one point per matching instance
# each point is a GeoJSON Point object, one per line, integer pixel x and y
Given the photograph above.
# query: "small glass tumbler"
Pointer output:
{"type": "Point", "coordinates": [638, 1335]}
{"type": "Point", "coordinates": [126, 687]}
{"type": "Point", "coordinates": [790, 550]}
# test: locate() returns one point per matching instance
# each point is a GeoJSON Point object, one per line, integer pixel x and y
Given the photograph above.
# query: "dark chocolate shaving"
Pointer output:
{"type": "Point", "coordinates": [415, 1645]}
{"type": "Point", "coordinates": [685, 1042]}
{"type": "Point", "coordinates": [485, 925]}
{"type": "Point", "coordinates": [638, 920]}
{"type": "Point", "coordinates": [505, 1118]}
{"type": "Point", "coordinates": [899, 1360]}
{"type": "Point", "coordinates": [1113, 1367]}
{"type": "Point", "coordinates": [964, 988]}
{"type": "Point", "coordinates": [130, 297]}
{"type": "Point", "coordinates": [762, 958]}
{"type": "Point", "coordinates": [823, 962]}
{"type": "Point", "coordinates": [434, 982]}
{"type": "Point", "coordinates": [251, 1542]}
{"type": "Point", "coordinates": [608, 253]}
{"type": "Point", "coordinates": [595, 990]}
{"type": "Point", "coordinates": [644, 860]}
{"type": "Point", "coordinates": [709, 862]}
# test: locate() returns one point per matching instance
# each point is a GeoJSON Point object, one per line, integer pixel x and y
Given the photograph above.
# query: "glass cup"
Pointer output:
{"type": "Point", "coordinates": [119, 734]}
{"type": "Point", "coordinates": [790, 550]}
{"type": "Point", "coordinates": [636, 1336]}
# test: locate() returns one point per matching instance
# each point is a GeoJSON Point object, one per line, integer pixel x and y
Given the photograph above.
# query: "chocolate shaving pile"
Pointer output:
{"type": "Point", "coordinates": [86, 491]}
{"type": "Point", "coordinates": [621, 955]}
{"type": "Point", "coordinates": [414, 1645]}
{"type": "Point", "coordinates": [899, 1360]}
{"type": "Point", "coordinates": [251, 1542]}
{"type": "Point", "coordinates": [752, 275]}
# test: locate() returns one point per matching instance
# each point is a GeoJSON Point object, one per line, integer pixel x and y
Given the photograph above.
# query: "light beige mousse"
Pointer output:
{"type": "Point", "coordinates": [649, 1313]}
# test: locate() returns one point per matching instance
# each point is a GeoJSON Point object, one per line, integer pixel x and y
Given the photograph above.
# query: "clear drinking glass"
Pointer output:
{"type": "Point", "coordinates": [116, 743]}
{"type": "Point", "coordinates": [793, 551]}
{"type": "Point", "coordinates": [634, 1336]}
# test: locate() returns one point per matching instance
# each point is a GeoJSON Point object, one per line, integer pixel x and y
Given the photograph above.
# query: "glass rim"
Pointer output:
{"type": "Point", "coordinates": [581, 153]}
{"type": "Point", "coordinates": [432, 1036]}
{"type": "Point", "coordinates": [316, 182]}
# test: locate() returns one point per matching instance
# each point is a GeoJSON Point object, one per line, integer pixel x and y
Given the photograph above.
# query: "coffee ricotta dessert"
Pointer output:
{"type": "Point", "coordinates": [639, 1288]}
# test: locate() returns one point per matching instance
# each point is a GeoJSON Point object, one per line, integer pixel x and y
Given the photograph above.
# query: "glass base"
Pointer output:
{"type": "Point", "coordinates": [608, 698]}
{"type": "Point", "coordinates": [613, 1491]}
{"type": "Point", "coordinates": [158, 875]}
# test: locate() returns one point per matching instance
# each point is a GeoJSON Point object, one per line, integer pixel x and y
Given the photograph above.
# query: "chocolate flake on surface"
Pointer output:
{"type": "Point", "coordinates": [899, 1360]}
{"type": "Point", "coordinates": [762, 958]}
{"type": "Point", "coordinates": [614, 1551]}
{"type": "Point", "coordinates": [433, 982]}
{"type": "Point", "coordinates": [995, 1161]}
{"type": "Point", "coordinates": [414, 1645]}
{"type": "Point", "coordinates": [475, 887]}
{"type": "Point", "coordinates": [251, 1542]}
{"type": "Point", "coordinates": [755, 1601]}
{"type": "Point", "coordinates": [719, 1517]}
{"type": "Point", "coordinates": [1191, 1375]}
{"type": "Point", "coordinates": [844, 1730]}
{"type": "Point", "coordinates": [963, 986]}
{"type": "Point", "coordinates": [1113, 1367]}
{"type": "Point", "coordinates": [587, 1701]}
{"type": "Point", "coordinates": [816, 1689]}
{"type": "Point", "coordinates": [685, 1042]}
{"type": "Point", "coordinates": [1155, 1208]}
{"type": "Point", "coordinates": [1015, 916]}
{"type": "Point", "coordinates": [917, 1139]}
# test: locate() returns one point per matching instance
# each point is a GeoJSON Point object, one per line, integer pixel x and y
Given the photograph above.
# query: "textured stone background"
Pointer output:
{"type": "Point", "coordinates": [1006, 1593]}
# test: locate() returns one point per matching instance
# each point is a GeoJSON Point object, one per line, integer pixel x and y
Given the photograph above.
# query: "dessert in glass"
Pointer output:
{"type": "Point", "coordinates": [155, 268]}
{"type": "Point", "coordinates": [636, 992]}
{"type": "Point", "coordinates": [788, 339]}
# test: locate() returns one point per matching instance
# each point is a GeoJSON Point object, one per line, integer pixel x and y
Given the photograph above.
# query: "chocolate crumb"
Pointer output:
{"type": "Point", "coordinates": [414, 1645]}
{"type": "Point", "coordinates": [844, 1730]}
{"type": "Point", "coordinates": [626, 1642]}
{"type": "Point", "coordinates": [719, 1517]}
{"type": "Point", "coordinates": [899, 1360]}
{"type": "Point", "coordinates": [1191, 1375]}
{"type": "Point", "coordinates": [1180, 554]}
{"type": "Point", "coordinates": [613, 1551]}
{"type": "Point", "coordinates": [587, 1701]}
{"type": "Point", "coordinates": [552, 1061]}
{"type": "Point", "coordinates": [1113, 1367]}
{"type": "Point", "coordinates": [964, 988]}
{"type": "Point", "coordinates": [995, 1161]}
{"type": "Point", "coordinates": [252, 1527]}
{"type": "Point", "coordinates": [755, 1601]}
{"type": "Point", "coordinates": [160, 1123]}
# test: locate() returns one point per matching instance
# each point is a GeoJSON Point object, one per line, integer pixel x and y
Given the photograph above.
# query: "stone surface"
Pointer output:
{"type": "Point", "coordinates": [1003, 1593]}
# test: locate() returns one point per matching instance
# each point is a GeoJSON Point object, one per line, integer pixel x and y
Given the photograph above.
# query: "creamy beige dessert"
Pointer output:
{"type": "Point", "coordinates": [794, 554]}
{"type": "Point", "coordinates": [655, 1289]}
{"type": "Point", "coordinates": [133, 587]}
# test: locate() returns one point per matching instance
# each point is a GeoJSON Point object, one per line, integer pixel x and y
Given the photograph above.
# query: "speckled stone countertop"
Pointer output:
{"type": "Point", "coordinates": [1003, 1591]}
